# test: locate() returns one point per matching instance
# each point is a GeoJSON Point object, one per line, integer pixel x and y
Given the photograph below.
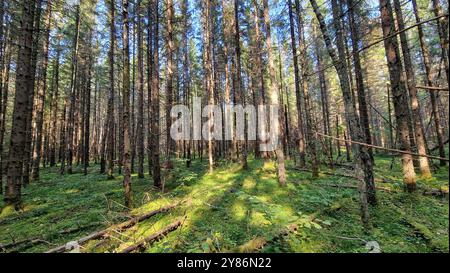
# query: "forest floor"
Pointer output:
{"type": "Point", "coordinates": [231, 210]}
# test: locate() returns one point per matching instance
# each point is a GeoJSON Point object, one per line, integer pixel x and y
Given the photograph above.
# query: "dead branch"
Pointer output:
{"type": "Point", "coordinates": [119, 227]}
{"type": "Point", "coordinates": [154, 237]}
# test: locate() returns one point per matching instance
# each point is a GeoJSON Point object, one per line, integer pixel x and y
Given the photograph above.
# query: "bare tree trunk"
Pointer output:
{"type": "Point", "coordinates": [399, 92]}
{"type": "Point", "coordinates": [23, 89]}
{"type": "Point", "coordinates": [363, 168]}
{"type": "Point", "coordinates": [433, 96]}
{"type": "Point", "coordinates": [42, 90]}
{"type": "Point", "coordinates": [54, 106]}
{"type": "Point", "coordinates": [126, 106]}
{"type": "Point", "coordinates": [140, 89]}
{"type": "Point", "coordinates": [4, 87]}
{"type": "Point", "coordinates": [301, 143]}
{"type": "Point", "coordinates": [324, 97]}
{"type": "Point", "coordinates": [239, 94]}
{"type": "Point", "coordinates": [304, 63]}
{"type": "Point", "coordinates": [110, 114]}
{"type": "Point", "coordinates": [415, 106]}
{"type": "Point", "coordinates": [442, 25]}
{"type": "Point", "coordinates": [169, 83]}
{"type": "Point", "coordinates": [155, 99]}
{"type": "Point", "coordinates": [275, 100]}
{"type": "Point", "coordinates": [70, 130]}
{"type": "Point", "coordinates": [363, 110]}
{"type": "Point", "coordinates": [209, 76]}
{"type": "Point", "coordinates": [87, 108]}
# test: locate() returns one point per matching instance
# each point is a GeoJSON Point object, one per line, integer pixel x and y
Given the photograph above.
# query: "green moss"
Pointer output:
{"type": "Point", "coordinates": [230, 209]}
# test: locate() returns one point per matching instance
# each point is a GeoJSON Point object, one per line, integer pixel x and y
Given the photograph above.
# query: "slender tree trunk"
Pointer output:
{"type": "Point", "coordinates": [209, 77]}
{"type": "Point", "coordinates": [149, 88]}
{"type": "Point", "coordinates": [140, 89]}
{"type": "Point", "coordinates": [110, 114]}
{"type": "Point", "coordinates": [70, 130]}
{"type": "Point", "coordinates": [304, 64]}
{"type": "Point", "coordinates": [169, 82]}
{"type": "Point", "coordinates": [301, 143]}
{"type": "Point", "coordinates": [4, 87]}
{"type": "Point", "coordinates": [126, 106]}
{"type": "Point", "coordinates": [54, 106]}
{"type": "Point", "coordinates": [399, 92]}
{"type": "Point", "coordinates": [363, 109]}
{"type": "Point", "coordinates": [239, 94]}
{"type": "Point", "coordinates": [411, 83]}
{"type": "Point", "coordinates": [42, 90]}
{"type": "Point", "coordinates": [324, 97]}
{"type": "Point", "coordinates": [27, 160]}
{"type": "Point", "coordinates": [433, 95]}
{"type": "Point", "coordinates": [155, 98]}
{"type": "Point", "coordinates": [363, 168]}
{"type": "Point", "coordinates": [442, 25]}
{"type": "Point", "coordinates": [23, 89]}
{"type": "Point", "coordinates": [275, 100]}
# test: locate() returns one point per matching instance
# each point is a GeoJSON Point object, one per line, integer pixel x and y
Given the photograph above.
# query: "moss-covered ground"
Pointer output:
{"type": "Point", "coordinates": [230, 207]}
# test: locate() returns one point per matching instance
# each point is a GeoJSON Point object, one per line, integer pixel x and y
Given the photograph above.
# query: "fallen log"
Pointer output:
{"type": "Point", "coordinates": [154, 237]}
{"type": "Point", "coordinates": [4, 247]}
{"type": "Point", "coordinates": [326, 173]}
{"type": "Point", "coordinates": [436, 192]}
{"type": "Point", "coordinates": [259, 243]}
{"type": "Point", "coordinates": [120, 227]}
{"type": "Point", "coordinates": [348, 186]}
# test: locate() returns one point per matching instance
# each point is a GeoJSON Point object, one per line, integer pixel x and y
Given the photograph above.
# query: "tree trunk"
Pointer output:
{"type": "Point", "coordinates": [23, 89]}
{"type": "Point", "coordinates": [155, 98]}
{"type": "Point", "coordinates": [140, 89]}
{"type": "Point", "coordinates": [70, 130]}
{"type": "Point", "coordinates": [169, 84]}
{"type": "Point", "coordinates": [415, 106]}
{"type": "Point", "coordinates": [126, 106]}
{"type": "Point", "coordinates": [42, 90]}
{"type": "Point", "coordinates": [239, 94]}
{"type": "Point", "coordinates": [110, 114]}
{"type": "Point", "coordinates": [301, 144]}
{"type": "Point", "coordinates": [363, 110]}
{"type": "Point", "coordinates": [363, 168]}
{"type": "Point", "coordinates": [275, 100]}
{"type": "Point", "coordinates": [399, 92]}
{"type": "Point", "coordinates": [304, 66]}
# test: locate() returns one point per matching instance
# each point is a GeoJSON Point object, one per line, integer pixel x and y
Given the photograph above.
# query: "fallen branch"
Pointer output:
{"type": "Point", "coordinates": [119, 227]}
{"type": "Point", "coordinates": [382, 148]}
{"type": "Point", "coordinates": [437, 146]}
{"type": "Point", "coordinates": [432, 88]}
{"type": "Point", "coordinates": [154, 237]}
{"type": "Point", "coordinates": [259, 243]}
{"type": "Point", "coordinates": [326, 173]}
{"type": "Point", "coordinates": [4, 247]}
{"type": "Point", "coordinates": [348, 186]}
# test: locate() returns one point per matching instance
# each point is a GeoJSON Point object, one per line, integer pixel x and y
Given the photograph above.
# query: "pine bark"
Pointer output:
{"type": "Point", "coordinates": [414, 101]}
{"type": "Point", "coordinates": [42, 91]}
{"type": "Point", "coordinates": [363, 168]}
{"type": "Point", "coordinates": [155, 99]}
{"type": "Point", "coordinates": [126, 106]}
{"type": "Point", "coordinates": [23, 89]}
{"type": "Point", "coordinates": [140, 90]}
{"type": "Point", "coordinates": [399, 92]}
{"type": "Point", "coordinates": [301, 139]}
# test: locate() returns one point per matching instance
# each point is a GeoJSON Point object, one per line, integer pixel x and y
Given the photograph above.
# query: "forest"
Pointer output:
{"type": "Point", "coordinates": [224, 126]}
